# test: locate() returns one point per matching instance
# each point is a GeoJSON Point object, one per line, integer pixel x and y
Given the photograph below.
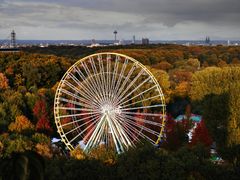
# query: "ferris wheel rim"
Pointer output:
{"type": "Point", "coordinates": [59, 126]}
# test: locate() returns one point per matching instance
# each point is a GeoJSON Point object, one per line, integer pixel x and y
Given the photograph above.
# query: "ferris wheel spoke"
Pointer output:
{"type": "Point", "coordinates": [70, 101]}
{"type": "Point", "coordinates": [94, 122]}
{"type": "Point", "coordinates": [86, 103]}
{"type": "Point", "coordinates": [115, 70]}
{"type": "Point", "coordinates": [146, 129]}
{"type": "Point", "coordinates": [147, 90]}
{"type": "Point", "coordinates": [120, 76]}
{"type": "Point", "coordinates": [77, 109]}
{"type": "Point", "coordinates": [78, 127]}
{"type": "Point", "coordinates": [79, 120]}
{"type": "Point", "coordinates": [126, 80]}
{"type": "Point", "coordinates": [101, 74]}
{"type": "Point", "coordinates": [92, 81]}
{"type": "Point", "coordinates": [82, 125]}
{"type": "Point", "coordinates": [81, 84]}
{"type": "Point", "coordinates": [121, 132]}
{"type": "Point", "coordinates": [95, 82]}
{"type": "Point", "coordinates": [97, 78]}
{"type": "Point", "coordinates": [100, 60]}
{"type": "Point", "coordinates": [144, 120]}
{"type": "Point", "coordinates": [139, 113]}
{"type": "Point", "coordinates": [108, 75]}
{"type": "Point", "coordinates": [98, 91]}
{"type": "Point", "coordinates": [94, 134]}
{"type": "Point", "coordinates": [141, 101]}
{"type": "Point", "coordinates": [73, 102]}
{"type": "Point", "coordinates": [143, 107]}
{"type": "Point", "coordinates": [94, 139]}
{"type": "Point", "coordinates": [134, 89]}
{"type": "Point", "coordinates": [130, 85]}
{"type": "Point", "coordinates": [84, 95]}
{"type": "Point", "coordinates": [137, 131]}
{"type": "Point", "coordinates": [131, 121]}
{"type": "Point", "coordinates": [116, 140]}
{"type": "Point", "coordinates": [79, 114]}
{"type": "Point", "coordinates": [97, 139]}
{"type": "Point", "coordinates": [130, 131]}
{"type": "Point", "coordinates": [129, 134]}
{"type": "Point", "coordinates": [88, 90]}
{"type": "Point", "coordinates": [88, 134]}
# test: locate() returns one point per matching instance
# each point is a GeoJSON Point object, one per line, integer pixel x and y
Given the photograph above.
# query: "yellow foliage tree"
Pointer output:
{"type": "Point", "coordinates": [1, 148]}
{"type": "Point", "coordinates": [44, 150]}
{"type": "Point", "coordinates": [21, 123]}
{"type": "Point", "coordinates": [106, 155]}
{"type": "Point", "coordinates": [163, 79]}
{"type": "Point", "coordinates": [78, 153]}
{"type": "Point", "coordinates": [194, 62]}
{"type": "Point", "coordinates": [182, 89]}
{"type": "Point", "coordinates": [219, 81]}
{"type": "Point", "coordinates": [234, 118]}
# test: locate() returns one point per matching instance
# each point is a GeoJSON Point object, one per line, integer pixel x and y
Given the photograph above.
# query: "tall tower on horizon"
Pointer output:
{"type": "Point", "coordinates": [115, 36]}
{"type": "Point", "coordinates": [13, 39]}
{"type": "Point", "coordinates": [134, 40]}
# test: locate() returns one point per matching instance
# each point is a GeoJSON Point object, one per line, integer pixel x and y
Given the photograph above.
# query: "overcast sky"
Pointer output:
{"type": "Point", "coordinates": [88, 19]}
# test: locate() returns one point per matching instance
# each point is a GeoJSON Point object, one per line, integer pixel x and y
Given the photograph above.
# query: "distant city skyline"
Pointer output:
{"type": "Point", "coordinates": [97, 19]}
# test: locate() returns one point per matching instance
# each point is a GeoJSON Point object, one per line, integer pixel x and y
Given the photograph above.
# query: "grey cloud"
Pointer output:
{"type": "Point", "coordinates": [166, 11]}
{"type": "Point", "coordinates": [130, 16]}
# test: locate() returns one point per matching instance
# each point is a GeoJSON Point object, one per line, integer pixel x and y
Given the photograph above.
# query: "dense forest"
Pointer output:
{"type": "Point", "coordinates": [207, 78]}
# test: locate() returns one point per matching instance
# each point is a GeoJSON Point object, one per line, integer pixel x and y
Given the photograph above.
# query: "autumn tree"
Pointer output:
{"type": "Point", "coordinates": [3, 82]}
{"type": "Point", "coordinates": [182, 89]}
{"type": "Point", "coordinates": [164, 65]}
{"type": "Point", "coordinates": [40, 112]}
{"type": "Point", "coordinates": [217, 89]}
{"type": "Point", "coordinates": [78, 153]}
{"type": "Point", "coordinates": [201, 135]}
{"type": "Point", "coordinates": [176, 133]}
{"type": "Point", "coordinates": [21, 124]}
{"type": "Point", "coordinates": [194, 63]}
{"type": "Point", "coordinates": [31, 74]}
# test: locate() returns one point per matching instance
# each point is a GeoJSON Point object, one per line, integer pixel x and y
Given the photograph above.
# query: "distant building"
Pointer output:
{"type": "Point", "coordinates": [134, 40]}
{"type": "Point", "coordinates": [207, 40]}
{"type": "Point", "coordinates": [145, 41]}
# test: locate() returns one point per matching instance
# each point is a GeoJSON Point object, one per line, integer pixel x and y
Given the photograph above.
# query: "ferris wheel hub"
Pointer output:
{"type": "Point", "coordinates": [110, 109]}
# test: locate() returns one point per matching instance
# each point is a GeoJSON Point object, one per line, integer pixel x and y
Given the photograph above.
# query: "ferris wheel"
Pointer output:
{"type": "Point", "coordinates": [110, 99]}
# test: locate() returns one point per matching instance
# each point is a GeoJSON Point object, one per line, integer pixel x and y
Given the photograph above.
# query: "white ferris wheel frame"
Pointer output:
{"type": "Point", "coordinates": [116, 119]}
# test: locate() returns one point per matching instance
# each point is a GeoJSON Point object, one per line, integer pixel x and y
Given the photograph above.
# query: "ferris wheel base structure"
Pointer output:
{"type": "Point", "coordinates": [109, 99]}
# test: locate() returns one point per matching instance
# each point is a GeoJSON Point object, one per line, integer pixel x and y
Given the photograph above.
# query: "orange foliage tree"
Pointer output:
{"type": "Point", "coordinates": [21, 124]}
{"type": "Point", "coordinates": [3, 82]}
